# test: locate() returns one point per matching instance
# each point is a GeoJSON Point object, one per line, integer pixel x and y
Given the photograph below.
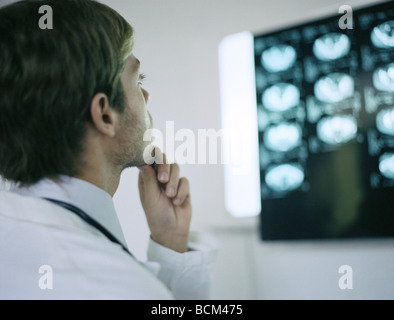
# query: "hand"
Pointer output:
{"type": "Point", "coordinates": [166, 201]}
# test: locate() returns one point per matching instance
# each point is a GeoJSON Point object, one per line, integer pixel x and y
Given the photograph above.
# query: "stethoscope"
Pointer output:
{"type": "Point", "coordinates": [84, 216]}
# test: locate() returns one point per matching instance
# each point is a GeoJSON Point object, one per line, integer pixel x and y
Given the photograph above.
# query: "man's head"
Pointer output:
{"type": "Point", "coordinates": [62, 85]}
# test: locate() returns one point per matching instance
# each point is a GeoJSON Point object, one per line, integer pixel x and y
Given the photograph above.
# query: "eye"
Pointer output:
{"type": "Point", "coordinates": [141, 78]}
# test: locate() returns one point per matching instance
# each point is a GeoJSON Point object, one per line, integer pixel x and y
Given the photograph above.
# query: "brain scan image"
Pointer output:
{"type": "Point", "coordinates": [284, 177]}
{"type": "Point", "coordinates": [386, 165]}
{"type": "Point", "coordinates": [334, 87]}
{"type": "Point", "coordinates": [385, 121]}
{"type": "Point", "coordinates": [337, 129]}
{"type": "Point", "coordinates": [278, 58]}
{"type": "Point", "coordinates": [283, 137]}
{"type": "Point", "coordinates": [383, 78]}
{"type": "Point", "coordinates": [324, 97]}
{"type": "Point", "coordinates": [382, 36]}
{"type": "Point", "coordinates": [331, 46]}
{"type": "Point", "coordinates": [281, 97]}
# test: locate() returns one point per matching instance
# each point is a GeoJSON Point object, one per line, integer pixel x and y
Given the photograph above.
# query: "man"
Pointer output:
{"type": "Point", "coordinates": [72, 117]}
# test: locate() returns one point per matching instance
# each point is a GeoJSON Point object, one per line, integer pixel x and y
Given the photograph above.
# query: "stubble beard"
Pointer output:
{"type": "Point", "coordinates": [131, 145]}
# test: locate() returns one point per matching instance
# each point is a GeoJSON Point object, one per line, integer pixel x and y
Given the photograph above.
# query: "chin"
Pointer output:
{"type": "Point", "coordinates": [134, 163]}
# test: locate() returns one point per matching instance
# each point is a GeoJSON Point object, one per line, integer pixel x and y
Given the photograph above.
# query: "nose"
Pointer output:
{"type": "Point", "coordinates": [146, 95]}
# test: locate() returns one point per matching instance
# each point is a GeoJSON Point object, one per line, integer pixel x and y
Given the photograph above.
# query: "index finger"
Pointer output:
{"type": "Point", "coordinates": [163, 169]}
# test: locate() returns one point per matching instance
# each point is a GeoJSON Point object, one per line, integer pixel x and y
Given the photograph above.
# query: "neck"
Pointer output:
{"type": "Point", "coordinates": [109, 185]}
{"type": "Point", "coordinates": [96, 166]}
{"type": "Point", "coordinates": [101, 176]}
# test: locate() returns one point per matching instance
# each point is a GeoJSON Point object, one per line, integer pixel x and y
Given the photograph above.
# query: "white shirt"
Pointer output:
{"type": "Point", "coordinates": [48, 252]}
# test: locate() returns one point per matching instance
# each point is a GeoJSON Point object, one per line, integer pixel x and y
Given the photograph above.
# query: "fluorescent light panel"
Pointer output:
{"type": "Point", "coordinates": [239, 122]}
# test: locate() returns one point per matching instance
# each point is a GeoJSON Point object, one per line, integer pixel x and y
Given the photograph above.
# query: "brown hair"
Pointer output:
{"type": "Point", "coordinates": [48, 78]}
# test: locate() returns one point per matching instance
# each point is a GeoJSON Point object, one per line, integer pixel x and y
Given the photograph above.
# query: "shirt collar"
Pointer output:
{"type": "Point", "coordinates": [97, 203]}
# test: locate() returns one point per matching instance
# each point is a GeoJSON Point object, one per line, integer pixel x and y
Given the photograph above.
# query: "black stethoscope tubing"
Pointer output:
{"type": "Point", "coordinates": [84, 216]}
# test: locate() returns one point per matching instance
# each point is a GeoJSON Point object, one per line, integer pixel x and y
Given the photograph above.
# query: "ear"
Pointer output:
{"type": "Point", "coordinates": [104, 118]}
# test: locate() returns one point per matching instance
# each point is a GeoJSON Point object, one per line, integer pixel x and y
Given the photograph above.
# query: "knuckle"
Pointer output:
{"type": "Point", "coordinates": [175, 166]}
{"type": "Point", "coordinates": [184, 186]}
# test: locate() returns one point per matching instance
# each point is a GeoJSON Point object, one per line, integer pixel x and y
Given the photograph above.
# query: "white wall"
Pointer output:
{"type": "Point", "coordinates": [177, 42]}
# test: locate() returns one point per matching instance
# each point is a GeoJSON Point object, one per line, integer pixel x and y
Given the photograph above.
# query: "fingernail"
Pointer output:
{"type": "Point", "coordinates": [171, 192]}
{"type": "Point", "coordinates": [177, 202]}
{"type": "Point", "coordinates": [163, 176]}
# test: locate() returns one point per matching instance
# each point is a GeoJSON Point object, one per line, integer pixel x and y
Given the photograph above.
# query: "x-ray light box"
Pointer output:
{"type": "Point", "coordinates": [317, 107]}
